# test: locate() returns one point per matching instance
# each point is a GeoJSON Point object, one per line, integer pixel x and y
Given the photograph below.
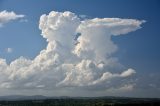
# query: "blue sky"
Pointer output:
{"type": "Point", "coordinates": [139, 49]}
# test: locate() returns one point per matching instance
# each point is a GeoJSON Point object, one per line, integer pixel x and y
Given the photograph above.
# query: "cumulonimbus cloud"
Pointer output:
{"type": "Point", "coordinates": [6, 17]}
{"type": "Point", "coordinates": [78, 54]}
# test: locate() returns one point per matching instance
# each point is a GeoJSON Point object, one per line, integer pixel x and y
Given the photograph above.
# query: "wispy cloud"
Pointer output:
{"type": "Point", "coordinates": [6, 17]}
{"type": "Point", "coordinates": [9, 50]}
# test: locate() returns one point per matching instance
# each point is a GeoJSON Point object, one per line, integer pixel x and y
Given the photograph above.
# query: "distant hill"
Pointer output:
{"type": "Point", "coordinates": [41, 97]}
{"type": "Point", "coordinates": [22, 97]}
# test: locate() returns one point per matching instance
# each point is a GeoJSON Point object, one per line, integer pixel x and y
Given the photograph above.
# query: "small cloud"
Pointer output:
{"type": "Point", "coordinates": [6, 17]}
{"type": "Point", "coordinates": [9, 50]}
{"type": "Point", "coordinates": [82, 16]}
{"type": "Point", "coordinates": [127, 87]}
{"type": "Point", "coordinates": [127, 73]}
{"type": "Point", "coordinates": [23, 20]}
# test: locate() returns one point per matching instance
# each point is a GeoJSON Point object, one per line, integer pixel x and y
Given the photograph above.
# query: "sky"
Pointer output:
{"type": "Point", "coordinates": [80, 48]}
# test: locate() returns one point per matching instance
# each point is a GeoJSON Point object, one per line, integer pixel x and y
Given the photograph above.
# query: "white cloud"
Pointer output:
{"type": "Point", "coordinates": [96, 35]}
{"type": "Point", "coordinates": [127, 73]}
{"type": "Point", "coordinates": [9, 50]}
{"type": "Point", "coordinates": [85, 63]}
{"type": "Point", "coordinates": [6, 17]}
{"type": "Point", "coordinates": [83, 16]}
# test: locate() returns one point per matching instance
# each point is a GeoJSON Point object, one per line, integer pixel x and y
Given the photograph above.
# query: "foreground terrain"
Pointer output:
{"type": "Point", "coordinates": [78, 101]}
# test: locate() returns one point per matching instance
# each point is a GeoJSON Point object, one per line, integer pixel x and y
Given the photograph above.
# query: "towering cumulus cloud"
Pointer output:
{"type": "Point", "coordinates": [78, 55]}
